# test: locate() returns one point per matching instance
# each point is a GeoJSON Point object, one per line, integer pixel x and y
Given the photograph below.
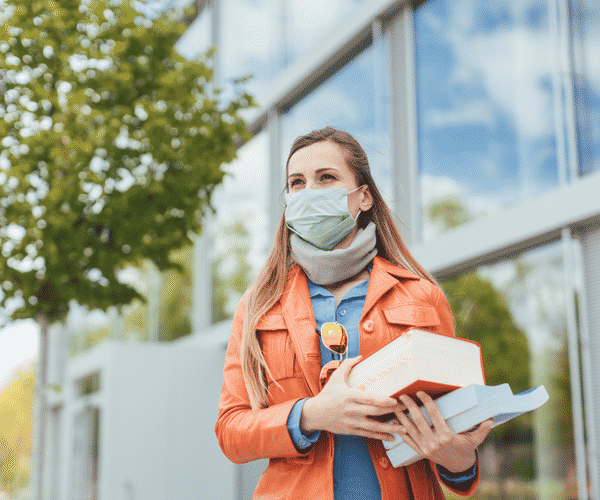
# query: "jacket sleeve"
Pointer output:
{"type": "Point", "coordinates": [243, 434]}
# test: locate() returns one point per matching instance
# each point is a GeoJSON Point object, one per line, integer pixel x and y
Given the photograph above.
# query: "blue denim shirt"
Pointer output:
{"type": "Point", "coordinates": [354, 475]}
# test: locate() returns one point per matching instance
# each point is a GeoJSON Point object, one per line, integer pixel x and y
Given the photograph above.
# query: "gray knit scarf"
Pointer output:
{"type": "Point", "coordinates": [325, 267]}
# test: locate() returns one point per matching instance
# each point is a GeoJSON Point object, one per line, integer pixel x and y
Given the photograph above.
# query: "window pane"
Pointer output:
{"type": "Point", "coordinates": [198, 37]}
{"type": "Point", "coordinates": [308, 22]}
{"type": "Point", "coordinates": [239, 231]}
{"type": "Point", "coordinates": [586, 20]}
{"type": "Point", "coordinates": [485, 103]}
{"type": "Point", "coordinates": [354, 100]}
{"type": "Point", "coordinates": [516, 311]}
{"type": "Point", "coordinates": [249, 43]}
{"type": "Point", "coordinates": [262, 37]}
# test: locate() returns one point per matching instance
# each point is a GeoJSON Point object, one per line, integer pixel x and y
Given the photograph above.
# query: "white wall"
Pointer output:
{"type": "Point", "coordinates": [158, 408]}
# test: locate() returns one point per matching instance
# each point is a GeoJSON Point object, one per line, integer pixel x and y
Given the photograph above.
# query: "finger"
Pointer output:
{"type": "Point", "coordinates": [417, 417]}
{"type": "Point", "coordinates": [373, 435]}
{"type": "Point", "coordinates": [408, 426]}
{"type": "Point", "coordinates": [361, 398]}
{"type": "Point", "coordinates": [401, 406]}
{"type": "Point", "coordinates": [477, 436]}
{"type": "Point", "coordinates": [384, 429]}
{"type": "Point", "coordinates": [412, 443]}
{"type": "Point", "coordinates": [433, 411]}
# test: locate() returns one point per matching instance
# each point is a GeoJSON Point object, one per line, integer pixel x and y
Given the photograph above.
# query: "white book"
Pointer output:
{"type": "Point", "coordinates": [496, 402]}
{"type": "Point", "coordinates": [419, 360]}
{"type": "Point", "coordinates": [459, 401]}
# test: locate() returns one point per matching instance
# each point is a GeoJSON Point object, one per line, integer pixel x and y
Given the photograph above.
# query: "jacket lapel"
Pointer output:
{"type": "Point", "coordinates": [300, 322]}
{"type": "Point", "coordinates": [384, 276]}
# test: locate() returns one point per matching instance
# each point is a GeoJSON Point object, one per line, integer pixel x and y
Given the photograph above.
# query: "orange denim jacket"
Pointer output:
{"type": "Point", "coordinates": [396, 301]}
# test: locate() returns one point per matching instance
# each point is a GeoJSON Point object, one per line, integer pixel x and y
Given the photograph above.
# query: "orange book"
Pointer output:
{"type": "Point", "coordinates": [419, 361]}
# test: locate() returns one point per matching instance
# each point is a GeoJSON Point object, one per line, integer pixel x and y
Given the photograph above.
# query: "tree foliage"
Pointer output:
{"type": "Point", "coordinates": [111, 148]}
{"type": "Point", "coordinates": [16, 402]}
{"type": "Point", "coordinates": [481, 313]}
{"type": "Point", "coordinates": [176, 298]}
{"type": "Point", "coordinates": [448, 213]}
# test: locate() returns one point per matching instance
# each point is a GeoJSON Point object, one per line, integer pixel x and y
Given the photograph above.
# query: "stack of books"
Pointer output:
{"type": "Point", "coordinates": [450, 370]}
{"type": "Point", "coordinates": [467, 407]}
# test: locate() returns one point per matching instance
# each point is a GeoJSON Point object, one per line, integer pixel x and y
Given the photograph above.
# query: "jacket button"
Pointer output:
{"type": "Point", "coordinates": [384, 463]}
{"type": "Point", "coordinates": [369, 325]}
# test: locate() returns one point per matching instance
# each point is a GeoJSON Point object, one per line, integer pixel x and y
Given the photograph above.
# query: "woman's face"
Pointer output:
{"type": "Point", "coordinates": [323, 166]}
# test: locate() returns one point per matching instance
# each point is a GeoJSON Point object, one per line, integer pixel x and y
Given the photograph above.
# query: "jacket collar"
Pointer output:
{"type": "Point", "coordinates": [383, 277]}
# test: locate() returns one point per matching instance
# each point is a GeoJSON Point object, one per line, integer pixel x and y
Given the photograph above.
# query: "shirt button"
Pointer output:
{"type": "Point", "coordinates": [342, 312]}
{"type": "Point", "coordinates": [384, 463]}
{"type": "Point", "coordinates": [369, 325]}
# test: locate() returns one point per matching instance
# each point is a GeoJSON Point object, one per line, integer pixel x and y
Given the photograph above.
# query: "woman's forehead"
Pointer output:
{"type": "Point", "coordinates": [318, 156]}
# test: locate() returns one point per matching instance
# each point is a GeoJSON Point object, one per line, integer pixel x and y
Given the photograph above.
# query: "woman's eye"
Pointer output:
{"type": "Point", "coordinates": [327, 177]}
{"type": "Point", "coordinates": [295, 183]}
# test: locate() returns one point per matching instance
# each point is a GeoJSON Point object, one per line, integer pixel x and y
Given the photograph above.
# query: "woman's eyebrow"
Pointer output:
{"type": "Point", "coordinates": [318, 171]}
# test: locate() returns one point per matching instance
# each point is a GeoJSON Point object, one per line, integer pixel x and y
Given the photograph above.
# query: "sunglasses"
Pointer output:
{"type": "Point", "coordinates": [335, 339]}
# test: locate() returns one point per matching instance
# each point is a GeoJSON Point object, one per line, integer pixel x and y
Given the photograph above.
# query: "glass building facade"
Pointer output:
{"type": "Point", "coordinates": [480, 120]}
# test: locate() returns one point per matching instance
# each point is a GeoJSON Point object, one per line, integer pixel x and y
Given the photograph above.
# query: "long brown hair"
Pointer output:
{"type": "Point", "coordinates": [270, 283]}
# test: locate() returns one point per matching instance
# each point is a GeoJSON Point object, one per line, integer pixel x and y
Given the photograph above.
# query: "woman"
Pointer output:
{"type": "Point", "coordinates": [337, 257]}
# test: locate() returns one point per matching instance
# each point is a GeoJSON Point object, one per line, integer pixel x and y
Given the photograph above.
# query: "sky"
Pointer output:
{"type": "Point", "coordinates": [18, 342]}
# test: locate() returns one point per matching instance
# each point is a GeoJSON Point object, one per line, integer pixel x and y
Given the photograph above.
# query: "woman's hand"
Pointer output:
{"type": "Point", "coordinates": [455, 452]}
{"type": "Point", "coordinates": [341, 409]}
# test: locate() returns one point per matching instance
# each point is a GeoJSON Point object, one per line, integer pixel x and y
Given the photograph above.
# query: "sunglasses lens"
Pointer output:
{"type": "Point", "coordinates": [334, 337]}
{"type": "Point", "coordinates": [327, 370]}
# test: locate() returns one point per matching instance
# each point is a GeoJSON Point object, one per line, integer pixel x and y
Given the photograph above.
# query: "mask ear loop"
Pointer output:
{"type": "Point", "coordinates": [282, 197]}
{"type": "Point", "coordinates": [359, 210]}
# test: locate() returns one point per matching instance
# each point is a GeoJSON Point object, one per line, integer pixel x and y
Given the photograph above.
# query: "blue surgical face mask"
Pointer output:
{"type": "Point", "coordinates": [320, 216]}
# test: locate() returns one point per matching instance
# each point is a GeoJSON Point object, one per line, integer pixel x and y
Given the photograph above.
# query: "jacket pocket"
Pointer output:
{"type": "Point", "coordinates": [283, 390]}
{"type": "Point", "coordinates": [412, 315]}
{"type": "Point", "coordinates": [277, 348]}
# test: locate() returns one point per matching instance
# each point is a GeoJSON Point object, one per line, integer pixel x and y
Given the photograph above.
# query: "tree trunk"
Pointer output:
{"type": "Point", "coordinates": [42, 320]}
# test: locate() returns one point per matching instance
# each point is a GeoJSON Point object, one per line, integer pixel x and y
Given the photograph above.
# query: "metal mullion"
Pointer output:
{"type": "Point", "coordinates": [403, 127]}
{"type": "Point", "coordinates": [574, 364]}
{"type": "Point", "coordinates": [588, 375]}
{"type": "Point", "coordinates": [568, 65]}
{"type": "Point", "coordinates": [557, 94]}
{"type": "Point", "coordinates": [275, 168]}
{"type": "Point", "coordinates": [414, 193]}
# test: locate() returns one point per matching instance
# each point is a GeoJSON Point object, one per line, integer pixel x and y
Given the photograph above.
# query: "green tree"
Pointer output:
{"type": "Point", "coordinates": [176, 298]}
{"type": "Point", "coordinates": [448, 212]}
{"type": "Point", "coordinates": [16, 401]}
{"type": "Point", "coordinates": [112, 144]}
{"type": "Point", "coordinates": [231, 270]}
